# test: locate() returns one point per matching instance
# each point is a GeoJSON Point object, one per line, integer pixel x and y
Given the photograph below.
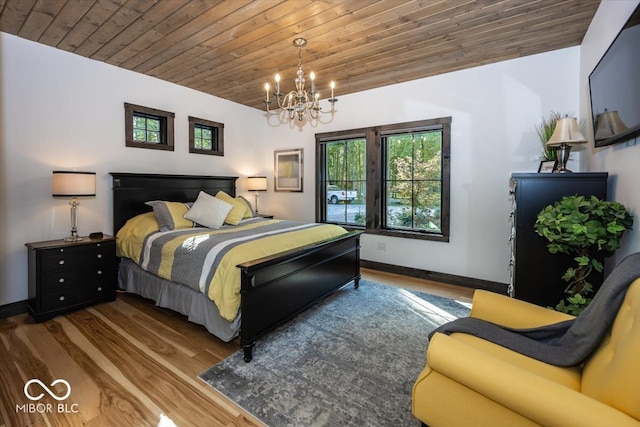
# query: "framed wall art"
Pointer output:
{"type": "Point", "coordinates": [288, 170]}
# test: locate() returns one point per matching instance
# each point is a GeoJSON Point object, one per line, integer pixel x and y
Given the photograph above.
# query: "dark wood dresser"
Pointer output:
{"type": "Point", "coordinates": [65, 276]}
{"type": "Point", "coordinates": [536, 274]}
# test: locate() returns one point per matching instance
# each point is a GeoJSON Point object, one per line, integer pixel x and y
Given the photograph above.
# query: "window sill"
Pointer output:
{"type": "Point", "coordinates": [397, 233]}
{"type": "Point", "coordinates": [409, 235]}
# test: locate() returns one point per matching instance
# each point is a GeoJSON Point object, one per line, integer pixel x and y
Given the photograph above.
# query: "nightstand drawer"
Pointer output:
{"type": "Point", "coordinates": [70, 258]}
{"type": "Point", "coordinates": [67, 278]}
{"type": "Point", "coordinates": [64, 298]}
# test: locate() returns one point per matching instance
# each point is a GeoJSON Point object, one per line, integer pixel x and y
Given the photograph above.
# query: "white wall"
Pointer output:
{"type": "Point", "coordinates": [622, 161]}
{"type": "Point", "coordinates": [63, 111]}
{"type": "Point", "coordinates": [60, 111]}
{"type": "Point", "coordinates": [494, 111]}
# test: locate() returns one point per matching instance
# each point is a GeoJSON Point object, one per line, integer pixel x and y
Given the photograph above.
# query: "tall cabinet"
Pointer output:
{"type": "Point", "coordinates": [536, 275]}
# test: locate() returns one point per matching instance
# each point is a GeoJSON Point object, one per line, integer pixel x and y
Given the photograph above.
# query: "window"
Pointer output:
{"type": "Point", "coordinates": [400, 174]}
{"type": "Point", "coordinates": [343, 183]}
{"type": "Point", "coordinates": [206, 137]}
{"type": "Point", "coordinates": [148, 128]}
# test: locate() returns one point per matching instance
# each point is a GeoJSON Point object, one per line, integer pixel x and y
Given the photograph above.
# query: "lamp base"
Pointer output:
{"type": "Point", "coordinates": [74, 222]}
{"type": "Point", "coordinates": [256, 195]}
{"type": "Point", "coordinates": [563, 152]}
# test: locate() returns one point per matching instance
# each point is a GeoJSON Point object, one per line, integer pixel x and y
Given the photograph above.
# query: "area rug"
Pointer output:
{"type": "Point", "coordinates": [350, 360]}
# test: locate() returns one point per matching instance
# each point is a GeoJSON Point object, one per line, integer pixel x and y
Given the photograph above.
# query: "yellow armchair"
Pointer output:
{"type": "Point", "coordinates": [472, 382]}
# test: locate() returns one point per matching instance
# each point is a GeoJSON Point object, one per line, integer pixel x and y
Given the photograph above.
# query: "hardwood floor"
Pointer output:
{"type": "Point", "coordinates": [127, 363]}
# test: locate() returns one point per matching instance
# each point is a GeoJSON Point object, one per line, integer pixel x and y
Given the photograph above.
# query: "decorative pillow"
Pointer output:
{"type": "Point", "coordinates": [250, 213]}
{"type": "Point", "coordinates": [170, 214]}
{"type": "Point", "coordinates": [239, 208]}
{"type": "Point", "coordinates": [208, 211]}
{"type": "Point", "coordinates": [132, 235]}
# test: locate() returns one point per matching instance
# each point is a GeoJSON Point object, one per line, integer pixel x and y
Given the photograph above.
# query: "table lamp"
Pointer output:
{"type": "Point", "coordinates": [257, 183]}
{"type": "Point", "coordinates": [564, 136]}
{"type": "Point", "coordinates": [72, 184]}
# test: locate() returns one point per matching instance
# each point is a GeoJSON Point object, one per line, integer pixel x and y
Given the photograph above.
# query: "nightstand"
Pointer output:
{"type": "Point", "coordinates": [65, 276]}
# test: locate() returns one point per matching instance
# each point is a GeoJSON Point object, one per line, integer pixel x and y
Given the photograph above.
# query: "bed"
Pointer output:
{"type": "Point", "coordinates": [273, 289]}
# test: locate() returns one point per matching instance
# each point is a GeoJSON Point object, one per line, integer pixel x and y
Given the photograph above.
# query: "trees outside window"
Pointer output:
{"type": "Point", "coordinates": [400, 173]}
{"type": "Point", "coordinates": [344, 182]}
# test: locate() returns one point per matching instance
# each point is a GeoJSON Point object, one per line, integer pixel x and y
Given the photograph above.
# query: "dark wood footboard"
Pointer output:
{"type": "Point", "coordinates": [274, 289]}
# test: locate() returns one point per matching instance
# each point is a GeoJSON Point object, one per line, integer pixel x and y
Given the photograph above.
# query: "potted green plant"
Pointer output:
{"type": "Point", "coordinates": [585, 228]}
{"type": "Point", "coordinates": [545, 129]}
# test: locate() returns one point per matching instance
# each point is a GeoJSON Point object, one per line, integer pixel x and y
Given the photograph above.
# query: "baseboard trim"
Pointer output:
{"type": "Point", "coordinates": [13, 309]}
{"type": "Point", "coordinates": [453, 279]}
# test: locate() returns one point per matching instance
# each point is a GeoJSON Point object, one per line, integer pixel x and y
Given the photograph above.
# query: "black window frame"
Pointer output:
{"type": "Point", "coordinates": [376, 173]}
{"type": "Point", "coordinates": [217, 133]}
{"type": "Point", "coordinates": [165, 118]}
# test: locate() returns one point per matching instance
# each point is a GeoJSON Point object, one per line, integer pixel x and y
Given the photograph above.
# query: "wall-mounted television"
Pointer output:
{"type": "Point", "coordinates": [614, 85]}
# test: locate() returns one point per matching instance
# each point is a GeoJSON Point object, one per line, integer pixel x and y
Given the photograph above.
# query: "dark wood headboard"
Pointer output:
{"type": "Point", "coordinates": [132, 190]}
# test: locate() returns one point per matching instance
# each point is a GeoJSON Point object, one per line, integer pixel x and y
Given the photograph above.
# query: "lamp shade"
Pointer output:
{"type": "Point", "coordinates": [257, 183]}
{"type": "Point", "coordinates": [567, 132]}
{"type": "Point", "coordinates": [609, 124]}
{"type": "Point", "coordinates": [73, 184]}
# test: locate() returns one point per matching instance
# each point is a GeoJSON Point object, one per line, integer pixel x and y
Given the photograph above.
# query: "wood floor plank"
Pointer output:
{"type": "Point", "coordinates": [14, 355]}
{"type": "Point", "coordinates": [178, 365]}
{"type": "Point", "coordinates": [181, 402]}
{"type": "Point", "coordinates": [120, 400]}
{"type": "Point", "coordinates": [61, 366]}
{"type": "Point", "coordinates": [195, 335]}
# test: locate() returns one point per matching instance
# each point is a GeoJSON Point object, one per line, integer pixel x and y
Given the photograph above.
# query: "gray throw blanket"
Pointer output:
{"type": "Point", "coordinates": [567, 343]}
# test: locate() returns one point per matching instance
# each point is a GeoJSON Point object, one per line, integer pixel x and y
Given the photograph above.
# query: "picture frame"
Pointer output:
{"type": "Point", "coordinates": [547, 166]}
{"type": "Point", "coordinates": [288, 170]}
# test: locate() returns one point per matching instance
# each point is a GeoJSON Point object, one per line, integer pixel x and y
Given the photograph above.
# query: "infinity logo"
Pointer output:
{"type": "Point", "coordinates": [47, 389]}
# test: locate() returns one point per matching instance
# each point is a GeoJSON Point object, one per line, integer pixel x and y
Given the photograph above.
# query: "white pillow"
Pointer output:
{"type": "Point", "coordinates": [208, 211]}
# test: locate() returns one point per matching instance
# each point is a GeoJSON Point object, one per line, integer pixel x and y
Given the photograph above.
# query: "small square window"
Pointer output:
{"type": "Point", "coordinates": [148, 128]}
{"type": "Point", "coordinates": [206, 137]}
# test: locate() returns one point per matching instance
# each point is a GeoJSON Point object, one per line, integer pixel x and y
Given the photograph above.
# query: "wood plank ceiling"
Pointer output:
{"type": "Point", "coordinates": [231, 48]}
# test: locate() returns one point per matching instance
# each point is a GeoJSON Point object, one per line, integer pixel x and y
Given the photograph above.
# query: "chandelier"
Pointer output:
{"type": "Point", "coordinates": [298, 103]}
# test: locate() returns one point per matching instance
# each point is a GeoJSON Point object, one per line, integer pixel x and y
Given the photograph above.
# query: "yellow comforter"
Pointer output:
{"type": "Point", "coordinates": [206, 259]}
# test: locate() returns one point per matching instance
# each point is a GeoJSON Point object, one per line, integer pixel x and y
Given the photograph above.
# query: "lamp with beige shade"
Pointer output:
{"type": "Point", "coordinates": [566, 134]}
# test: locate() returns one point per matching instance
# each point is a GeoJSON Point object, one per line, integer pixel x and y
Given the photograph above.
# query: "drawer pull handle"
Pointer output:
{"type": "Point", "coordinates": [99, 255]}
{"type": "Point", "coordinates": [61, 298]}
{"type": "Point", "coordinates": [99, 288]}
{"type": "Point", "coordinates": [61, 262]}
{"type": "Point", "coordinates": [61, 250]}
{"type": "Point", "coordinates": [99, 271]}
{"type": "Point", "coordinates": [61, 280]}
